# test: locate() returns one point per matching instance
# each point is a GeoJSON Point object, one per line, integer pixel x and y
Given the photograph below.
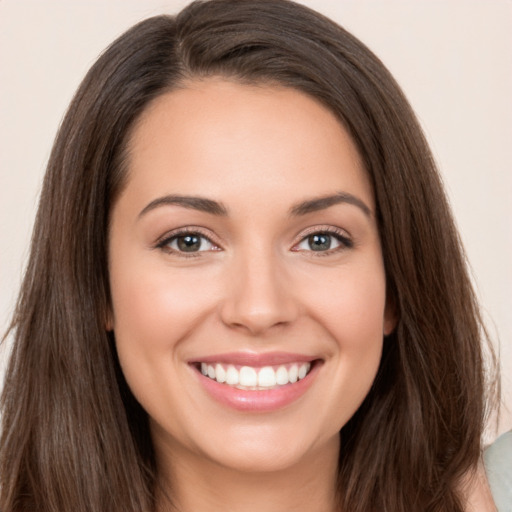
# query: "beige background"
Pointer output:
{"type": "Point", "coordinates": [453, 59]}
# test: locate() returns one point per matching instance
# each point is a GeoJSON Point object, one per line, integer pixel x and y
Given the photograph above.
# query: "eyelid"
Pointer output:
{"type": "Point", "coordinates": [341, 234]}
{"type": "Point", "coordinates": [163, 241]}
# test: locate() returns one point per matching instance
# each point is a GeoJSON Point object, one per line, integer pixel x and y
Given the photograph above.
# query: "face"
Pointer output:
{"type": "Point", "coordinates": [248, 289]}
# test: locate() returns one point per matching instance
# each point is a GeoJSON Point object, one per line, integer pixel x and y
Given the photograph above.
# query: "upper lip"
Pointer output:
{"type": "Point", "coordinates": [255, 359]}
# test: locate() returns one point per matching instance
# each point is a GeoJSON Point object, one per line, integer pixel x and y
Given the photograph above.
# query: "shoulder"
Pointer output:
{"type": "Point", "coordinates": [498, 466]}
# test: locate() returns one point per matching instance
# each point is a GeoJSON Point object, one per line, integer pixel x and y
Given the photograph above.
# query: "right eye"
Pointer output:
{"type": "Point", "coordinates": [187, 243]}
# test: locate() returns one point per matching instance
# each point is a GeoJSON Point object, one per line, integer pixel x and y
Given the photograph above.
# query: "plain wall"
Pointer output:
{"type": "Point", "coordinates": [452, 58]}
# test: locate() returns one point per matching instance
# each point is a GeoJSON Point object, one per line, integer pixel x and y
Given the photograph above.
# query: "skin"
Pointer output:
{"type": "Point", "coordinates": [254, 285]}
{"type": "Point", "coordinates": [475, 488]}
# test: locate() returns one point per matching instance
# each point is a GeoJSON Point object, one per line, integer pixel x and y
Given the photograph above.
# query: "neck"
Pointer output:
{"type": "Point", "coordinates": [195, 484]}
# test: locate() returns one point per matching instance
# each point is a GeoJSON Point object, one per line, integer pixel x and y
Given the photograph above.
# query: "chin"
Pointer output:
{"type": "Point", "coordinates": [268, 450]}
{"type": "Point", "coordinates": [263, 460]}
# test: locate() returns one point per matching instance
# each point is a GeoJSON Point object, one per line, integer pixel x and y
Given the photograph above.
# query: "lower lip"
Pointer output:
{"type": "Point", "coordinates": [266, 400]}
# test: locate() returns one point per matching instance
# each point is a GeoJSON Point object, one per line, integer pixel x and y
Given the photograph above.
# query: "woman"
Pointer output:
{"type": "Point", "coordinates": [245, 289]}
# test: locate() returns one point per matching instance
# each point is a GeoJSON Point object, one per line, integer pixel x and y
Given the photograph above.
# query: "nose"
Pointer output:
{"type": "Point", "coordinates": [259, 295]}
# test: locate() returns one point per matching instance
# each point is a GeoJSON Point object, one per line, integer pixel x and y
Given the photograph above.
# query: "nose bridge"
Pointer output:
{"type": "Point", "coordinates": [257, 297]}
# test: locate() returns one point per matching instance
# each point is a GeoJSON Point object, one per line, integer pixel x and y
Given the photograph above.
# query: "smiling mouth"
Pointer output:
{"type": "Point", "coordinates": [255, 378]}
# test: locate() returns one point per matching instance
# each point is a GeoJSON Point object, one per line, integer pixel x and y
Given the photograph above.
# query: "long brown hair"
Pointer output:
{"type": "Point", "coordinates": [74, 439]}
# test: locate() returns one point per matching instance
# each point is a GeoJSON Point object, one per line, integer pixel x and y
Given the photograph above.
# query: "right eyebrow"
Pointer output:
{"type": "Point", "coordinates": [195, 203]}
{"type": "Point", "coordinates": [324, 202]}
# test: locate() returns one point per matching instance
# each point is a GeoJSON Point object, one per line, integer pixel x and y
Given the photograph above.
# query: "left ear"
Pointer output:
{"type": "Point", "coordinates": [390, 317]}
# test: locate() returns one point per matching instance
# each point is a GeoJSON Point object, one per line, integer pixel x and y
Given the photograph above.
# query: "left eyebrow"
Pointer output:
{"type": "Point", "coordinates": [192, 202]}
{"type": "Point", "coordinates": [321, 203]}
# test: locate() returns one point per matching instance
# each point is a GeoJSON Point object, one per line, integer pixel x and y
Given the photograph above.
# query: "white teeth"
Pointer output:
{"type": "Point", "coordinates": [220, 373]}
{"type": "Point", "coordinates": [293, 374]}
{"type": "Point", "coordinates": [267, 377]}
{"type": "Point", "coordinates": [253, 378]}
{"type": "Point", "coordinates": [282, 376]}
{"type": "Point", "coordinates": [248, 376]}
{"type": "Point", "coordinates": [232, 376]}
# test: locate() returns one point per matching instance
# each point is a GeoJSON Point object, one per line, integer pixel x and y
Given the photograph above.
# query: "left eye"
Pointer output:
{"type": "Point", "coordinates": [319, 242]}
{"type": "Point", "coordinates": [188, 242]}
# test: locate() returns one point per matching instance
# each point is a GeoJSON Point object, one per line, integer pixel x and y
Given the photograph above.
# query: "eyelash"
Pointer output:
{"type": "Point", "coordinates": [338, 234]}
{"type": "Point", "coordinates": [168, 238]}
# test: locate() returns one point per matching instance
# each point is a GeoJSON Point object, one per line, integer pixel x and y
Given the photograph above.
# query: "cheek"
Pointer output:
{"type": "Point", "coordinates": [157, 307]}
{"type": "Point", "coordinates": [358, 331]}
{"type": "Point", "coordinates": [154, 311]}
{"type": "Point", "coordinates": [351, 309]}
{"type": "Point", "coordinates": [351, 306]}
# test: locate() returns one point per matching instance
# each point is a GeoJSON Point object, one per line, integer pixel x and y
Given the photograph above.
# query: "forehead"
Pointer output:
{"type": "Point", "coordinates": [214, 136]}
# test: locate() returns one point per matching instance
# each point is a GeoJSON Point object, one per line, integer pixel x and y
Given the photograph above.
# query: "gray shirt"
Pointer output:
{"type": "Point", "coordinates": [498, 466]}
